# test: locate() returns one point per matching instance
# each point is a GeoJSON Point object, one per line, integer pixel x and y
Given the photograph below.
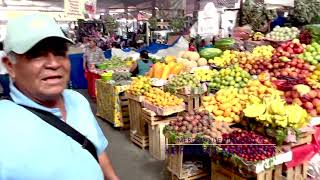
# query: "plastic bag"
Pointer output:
{"type": "Point", "coordinates": [314, 167]}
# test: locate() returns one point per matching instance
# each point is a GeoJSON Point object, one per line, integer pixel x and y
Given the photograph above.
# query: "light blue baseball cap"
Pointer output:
{"type": "Point", "coordinates": [25, 32]}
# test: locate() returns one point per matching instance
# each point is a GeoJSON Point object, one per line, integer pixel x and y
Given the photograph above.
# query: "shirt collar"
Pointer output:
{"type": "Point", "coordinates": [19, 98]}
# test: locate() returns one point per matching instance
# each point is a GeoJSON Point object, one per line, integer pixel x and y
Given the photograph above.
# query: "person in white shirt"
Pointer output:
{"type": "Point", "coordinates": [4, 76]}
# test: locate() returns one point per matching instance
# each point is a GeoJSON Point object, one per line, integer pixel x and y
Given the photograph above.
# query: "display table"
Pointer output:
{"type": "Point", "coordinates": [112, 105]}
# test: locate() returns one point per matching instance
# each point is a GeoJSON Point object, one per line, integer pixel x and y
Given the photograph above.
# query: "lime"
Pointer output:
{"type": "Point", "coordinates": [238, 79]}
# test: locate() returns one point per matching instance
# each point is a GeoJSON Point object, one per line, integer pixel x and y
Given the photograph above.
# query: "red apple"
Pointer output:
{"type": "Point", "coordinates": [288, 94]}
{"type": "Point", "coordinates": [313, 94]}
{"type": "Point", "coordinates": [316, 102]}
{"type": "Point", "coordinates": [308, 105]}
{"type": "Point", "coordinates": [295, 94]}
{"type": "Point", "coordinates": [289, 100]}
{"type": "Point", "coordinates": [318, 109]}
{"type": "Point", "coordinates": [300, 66]}
{"type": "Point", "coordinates": [284, 73]}
{"type": "Point", "coordinates": [297, 101]}
{"type": "Point", "coordinates": [313, 112]}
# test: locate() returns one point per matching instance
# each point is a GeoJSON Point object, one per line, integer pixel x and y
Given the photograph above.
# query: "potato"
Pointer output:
{"type": "Point", "coordinates": [176, 128]}
{"type": "Point", "coordinates": [189, 127]}
{"type": "Point", "coordinates": [183, 128]}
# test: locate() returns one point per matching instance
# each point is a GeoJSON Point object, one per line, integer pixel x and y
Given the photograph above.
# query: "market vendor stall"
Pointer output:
{"type": "Point", "coordinates": [112, 104]}
{"type": "Point", "coordinates": [77, 76]}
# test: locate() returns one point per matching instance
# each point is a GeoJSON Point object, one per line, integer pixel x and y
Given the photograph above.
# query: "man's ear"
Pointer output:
{"type": "Point", "coordinates": [9, 66]}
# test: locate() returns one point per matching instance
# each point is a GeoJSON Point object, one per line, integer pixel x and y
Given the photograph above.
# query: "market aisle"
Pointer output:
{"type": "Point", "coordinates": [130, 162]}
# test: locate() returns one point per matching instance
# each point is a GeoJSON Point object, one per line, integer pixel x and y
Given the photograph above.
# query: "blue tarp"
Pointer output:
{"type": "Point", "coordinates": [77, 79]}
{"type": "Point", "coordinates": [153, 48]}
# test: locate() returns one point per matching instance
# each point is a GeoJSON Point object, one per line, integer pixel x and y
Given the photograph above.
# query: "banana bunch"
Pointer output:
{"type": "Point", "coordinates": [258, 36]}
{"type": "Point", "coordinates": [274, 112]}
{"type": "Point", "coordinates": [297, 116]}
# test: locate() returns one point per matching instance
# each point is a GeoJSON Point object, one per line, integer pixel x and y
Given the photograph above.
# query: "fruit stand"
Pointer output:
{"type": "Point", "coordinates": [241, 114]}
{"type": "Point", "coordinates": [112, 104]}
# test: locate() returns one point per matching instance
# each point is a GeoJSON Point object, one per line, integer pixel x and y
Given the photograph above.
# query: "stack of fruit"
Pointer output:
{"type": "Point", "coordinates": [226, 105]}
{"type": "Point", "coordinates": [263, 52]}
{"type": "Point", "coordinates": [205, 74]}
{"type": "Point", "coordinates": [255, 91]}
{"type": "Point", "coordinates": [192, 122]}
{"type": "Point", "coordinates": [227, 58]}
{"type": "Point", "coordinates": [314, 79]}
{"type": "Point", "coordinates": [303, 96]}
{"type": "Point", "coordinates": [258, 36]}
{"type": "Point", "coordinates": [296, 68]}
{"type": "Point", "coordinates": [163, 71]}
{"type": "Point", "coordinates": [275, 112]}
{"type": "Point", "coordinates": [255, 147]}
{"type": "Point", "coordinates": [312, 54]}
{"type": "Point", "coordinates": [289, 50]}
{"type": "Point", "coordinates": [140, 86]}
{"type": "Point", "coordinates": [181, 81]}
{"type": "Point", "coordinates": [161, 99]}
{"type": "Point", "coordinates": [191, 59]}
{"type": "Point", "coordinates": [283, 33]}
{"type": "Point", "coordinates": [230, 77]}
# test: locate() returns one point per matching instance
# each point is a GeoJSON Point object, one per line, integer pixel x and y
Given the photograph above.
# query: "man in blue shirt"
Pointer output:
{"type": "Point", "coordinates": [39, 70]}
{"type": "Point", "coordinates": [280, 20]}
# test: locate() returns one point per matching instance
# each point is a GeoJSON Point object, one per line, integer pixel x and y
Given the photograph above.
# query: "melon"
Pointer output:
{"type": "Point", "coordinates": [210, 53]}
{"type": "Point", "coordinates": [225, 43]}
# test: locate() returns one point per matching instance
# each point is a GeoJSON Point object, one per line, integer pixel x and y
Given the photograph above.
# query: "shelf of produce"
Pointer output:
{"type": "Point", "coordinates": [219, 172]}
{"type": "Point", "coordinates": [157, 140]}
{"type": "Point", "coordinates": [192, 101]}
{"type": "Point", "coordinates": [165, 111]}
{"type": "Point", "coordinates": [112, 104]}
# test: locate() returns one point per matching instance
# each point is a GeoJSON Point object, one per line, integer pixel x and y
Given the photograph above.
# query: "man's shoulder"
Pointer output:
{"type": "Point", "coordinates": [74, 95]}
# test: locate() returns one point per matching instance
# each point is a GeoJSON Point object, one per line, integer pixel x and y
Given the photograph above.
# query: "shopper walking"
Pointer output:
{"type": "Point", "coordinates": [46, 131]}
{"type": "Point", "coordinates": [4, 77]}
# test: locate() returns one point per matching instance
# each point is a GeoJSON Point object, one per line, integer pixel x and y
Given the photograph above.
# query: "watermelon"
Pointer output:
{"type": "Point", "coordinates": [210, 53]}
{"type": "Point", "coordinates": [225, 43]}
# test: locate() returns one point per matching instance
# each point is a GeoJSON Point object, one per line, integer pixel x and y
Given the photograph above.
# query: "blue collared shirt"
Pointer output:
{"type": "Point", "coordinates": [31, 149]}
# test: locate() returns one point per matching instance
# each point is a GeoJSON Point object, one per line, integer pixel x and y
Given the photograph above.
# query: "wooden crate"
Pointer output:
{"type": "Point", "coordinates": [299, 172]}
{"type": "Point", "coordinates": [192, 101]}
{"type": "Point", "coordinates": [175, 165]}
{"type": "Point", "coordinates": [219, 172]}
{"type": "Point", "coordinates": [157, 140]}
{"type": "Point", "coordinates": [137, 124]}
{"type": "Point", "coordinates": [201, 175]}
{"type": "Point", "coordinates": [140, 140]}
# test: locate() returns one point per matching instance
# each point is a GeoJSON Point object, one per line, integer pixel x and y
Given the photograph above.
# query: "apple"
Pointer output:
{"type": "Point", "coordinates": [316, 102]}
{"type": "Point", "coordinates": [313, 112]}
{"type": "Point", "coordinates": [308, 105]}
{"type": "Point", "coordinates": [297, 101]}
{"type": "Point", "coordinates": [318, 109]}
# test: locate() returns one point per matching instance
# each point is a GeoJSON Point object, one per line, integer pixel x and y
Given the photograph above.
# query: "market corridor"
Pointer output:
{"type": "Point", "coordinates": [130, 162]}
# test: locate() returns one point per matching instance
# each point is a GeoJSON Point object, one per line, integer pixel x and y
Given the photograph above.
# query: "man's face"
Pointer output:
{"type": "Point", "coordinates": [42, 72]}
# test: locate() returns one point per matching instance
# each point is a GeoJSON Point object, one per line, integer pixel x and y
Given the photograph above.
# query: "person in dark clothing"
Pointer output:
{"type": "Point", "coordinates": [280, 20]}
